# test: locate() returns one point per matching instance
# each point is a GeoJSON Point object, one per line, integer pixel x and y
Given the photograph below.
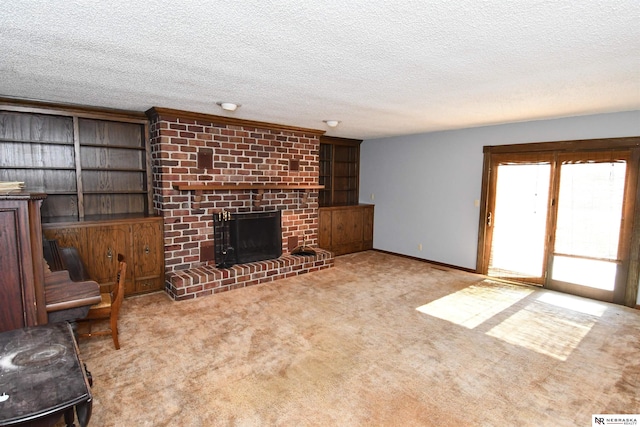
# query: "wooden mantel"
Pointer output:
{"type": "Point", "coordinates": [198, 189]}
{"type": "Point", "coordinates": [246, 186]}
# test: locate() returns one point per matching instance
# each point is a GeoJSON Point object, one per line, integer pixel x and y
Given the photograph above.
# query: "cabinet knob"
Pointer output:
{"type": "Point", "coordinates": [146, 249]}
{"type": "Point", "coordinates": [109, 253]}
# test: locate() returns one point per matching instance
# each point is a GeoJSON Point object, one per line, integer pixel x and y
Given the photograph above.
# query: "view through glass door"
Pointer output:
{"type": "Point", "coordinates": [557, 221]}
{"type": "Point", "coordinates": [590, 206]}
{"type": "Point", "coordinates": [519, 218]}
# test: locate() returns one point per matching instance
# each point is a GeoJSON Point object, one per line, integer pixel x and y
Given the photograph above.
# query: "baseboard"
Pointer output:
{"type": "Point", "coordinates": [440, 264]}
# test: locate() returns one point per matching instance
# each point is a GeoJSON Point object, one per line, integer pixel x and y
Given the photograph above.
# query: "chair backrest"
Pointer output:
{"type": "Point", "coordinates": [117, 294]}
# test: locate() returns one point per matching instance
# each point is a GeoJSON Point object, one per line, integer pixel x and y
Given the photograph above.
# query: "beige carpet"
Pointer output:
{"type": "Point", "coordinates": [378, 340]}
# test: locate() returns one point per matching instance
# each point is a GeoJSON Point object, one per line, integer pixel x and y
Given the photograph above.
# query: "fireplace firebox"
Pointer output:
{"type": "Point", "coordinates": [247, 237]}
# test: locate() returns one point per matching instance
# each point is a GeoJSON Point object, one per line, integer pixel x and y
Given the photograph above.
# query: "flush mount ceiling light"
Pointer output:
{"type": "Point", "coordinates": [332, 123]}
{"type": "Point", "coordinates": [228, 106]}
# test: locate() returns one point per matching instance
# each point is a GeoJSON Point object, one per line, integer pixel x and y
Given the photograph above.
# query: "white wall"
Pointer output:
{"type": "Point", "coordinates": [425, 185]}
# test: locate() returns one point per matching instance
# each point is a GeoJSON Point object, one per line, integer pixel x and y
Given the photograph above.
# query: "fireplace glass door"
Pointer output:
{"type": "Point", "coordinates": [247, 237]}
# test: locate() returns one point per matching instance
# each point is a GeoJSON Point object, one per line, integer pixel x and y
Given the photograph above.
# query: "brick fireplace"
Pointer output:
{"type": "Point", "coordinates": [204, 165]}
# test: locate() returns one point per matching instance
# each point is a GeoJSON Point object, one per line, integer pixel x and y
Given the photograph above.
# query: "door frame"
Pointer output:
{"type": "Point", "coordinates": [626, 293]}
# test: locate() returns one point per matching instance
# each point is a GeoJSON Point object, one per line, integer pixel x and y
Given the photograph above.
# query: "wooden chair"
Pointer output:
{"type": "Point", "coordinates": [108, 308]}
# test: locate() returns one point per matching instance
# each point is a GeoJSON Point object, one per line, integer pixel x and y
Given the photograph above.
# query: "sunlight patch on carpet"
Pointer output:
{"type": "Point", "coordinates": [574, 303]}
{"type": "Point", "coordinates": [472, 306]}
{"type": "Point", "coordinates": [550, 325]}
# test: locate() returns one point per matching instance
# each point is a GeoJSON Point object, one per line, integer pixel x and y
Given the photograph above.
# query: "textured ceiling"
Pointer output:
{"type": "Point", "coordinates": [382, 68]}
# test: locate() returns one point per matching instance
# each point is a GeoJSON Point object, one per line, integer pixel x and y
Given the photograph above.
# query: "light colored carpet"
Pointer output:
{"type": "Point", "coordinates": [378, 340]}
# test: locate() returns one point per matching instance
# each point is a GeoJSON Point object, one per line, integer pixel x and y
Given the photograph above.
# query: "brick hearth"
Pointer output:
{"type": "Point", "coordinates": [207, 280]}
{"type": "Point", "coordinates": [192, 149]}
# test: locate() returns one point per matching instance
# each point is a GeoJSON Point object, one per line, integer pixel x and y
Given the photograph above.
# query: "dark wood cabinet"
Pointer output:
{"type": "Point", "coordinates": [140, 240]}
{"type": "Point", "coordinates": [344, 225]}
{"type": "Point", "coordinates": [346, 229]}
{"type": "Point", "coordinates": [21, 279]}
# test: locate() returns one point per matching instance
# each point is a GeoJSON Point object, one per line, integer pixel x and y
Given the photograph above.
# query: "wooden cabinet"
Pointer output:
{"type": "Point", "coordinates": [21, 279]}
{"type": "Point", "coordinates": [94, 166]}
{"type": "Point", "coordinates": [339, 171]}
{"type": "Point", "coordinates": [148, 253]}
{"type": "Point", "coordinates": [344, 225]}
{"type": "Point", "coordinates": [102, 243]}
{"type": "Point", "coordinates": [88, 162]}
{"type": "Point", "coordinates": [140, 240]}
{"type": "Point", "coordinates": [346, 229]}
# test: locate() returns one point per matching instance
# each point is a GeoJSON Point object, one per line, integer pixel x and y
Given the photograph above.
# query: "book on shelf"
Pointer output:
{"type": "Point", "coordinates": [11, 185]}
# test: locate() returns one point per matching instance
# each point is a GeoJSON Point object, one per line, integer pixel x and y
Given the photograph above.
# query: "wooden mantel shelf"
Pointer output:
{"type": "Point", "coordinates": [198, 189]}
{"type": "Point", "coordinates": [246, 186]}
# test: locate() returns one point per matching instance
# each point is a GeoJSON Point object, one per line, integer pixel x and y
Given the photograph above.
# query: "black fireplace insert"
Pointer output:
{"type": "Point", "coordinates": [247, 237]}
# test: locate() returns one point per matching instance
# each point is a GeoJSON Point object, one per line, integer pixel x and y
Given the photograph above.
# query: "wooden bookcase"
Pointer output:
{"type": "Point", "coordinates": [88, 163]}
{"type": "Point", "coordinates": [113, 167]}
{"type": "Point", "coordinates": [94, 165]}
{"type": "Point", "coordinates": [345, 226]}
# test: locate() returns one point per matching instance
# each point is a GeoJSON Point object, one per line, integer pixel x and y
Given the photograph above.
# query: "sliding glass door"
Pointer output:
{"type": "Point", "coordinates": [560, 220]}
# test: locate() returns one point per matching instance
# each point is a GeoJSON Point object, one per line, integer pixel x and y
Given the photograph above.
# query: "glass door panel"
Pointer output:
{"type": "Point", "coordinates": [518, 221]}
{"type": "Point", "coordinates": [589, 219]}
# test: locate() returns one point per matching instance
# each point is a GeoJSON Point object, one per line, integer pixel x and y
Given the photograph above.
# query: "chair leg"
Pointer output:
{"type": "Point", "coordinates": [114, 333]}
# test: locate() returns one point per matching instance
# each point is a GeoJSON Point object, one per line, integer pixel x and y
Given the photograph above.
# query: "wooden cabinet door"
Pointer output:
{"type": "Point", "coordinates": [347, 226]}
{"type": "Point", "coordinates": [148, 255]}
{"type": "Point", "coordinates": [12, 304]}
{"type": "Point", "coordinates": [367, 232]}
{"type": "Point", "coordinates": [346, 230]}
{"type": "Point", "coordinates": [104, 243]}
{"type": "Point", "coordinates": [324, 232]}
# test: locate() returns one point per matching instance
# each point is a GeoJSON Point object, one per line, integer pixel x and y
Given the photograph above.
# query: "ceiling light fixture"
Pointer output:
{"type": "Point", "coordinates": [332, 123]}
{"type": "Point", "coordinates": [228, 106]}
